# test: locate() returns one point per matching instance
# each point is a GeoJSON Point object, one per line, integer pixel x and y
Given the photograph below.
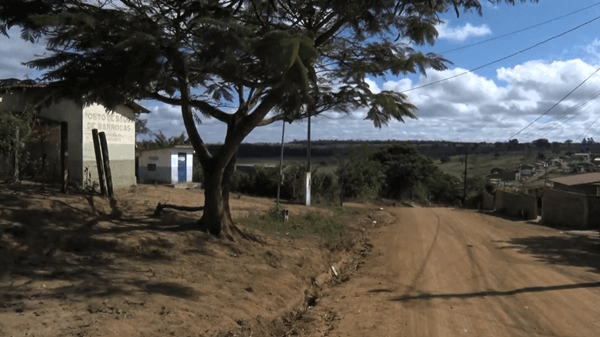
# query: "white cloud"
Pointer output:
{"type": "Point", "coordinates": [373, 86]}
{"type": "Point", "coordinates": [461, 33]}
{"type": "Point", "coordinates": [469, 107]}
{"type": "Point", "coordinates": [14, 51]}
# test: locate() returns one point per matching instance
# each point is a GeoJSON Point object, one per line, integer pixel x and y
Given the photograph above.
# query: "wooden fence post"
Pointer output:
{"type": "Point", "coordinates": [17, 147]}
{"type": "Point", "coordinates": [64, 156]}
{"type": "Point", "coordinates": [99, 163]}
{"type": "Point", "coordinates": [106, 159]}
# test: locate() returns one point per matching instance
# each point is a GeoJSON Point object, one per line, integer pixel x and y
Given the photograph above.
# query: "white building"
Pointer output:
{"type": "Point", "coordinates": [119, 127]}
{"type": "Point", "coordinates": [170, 165]}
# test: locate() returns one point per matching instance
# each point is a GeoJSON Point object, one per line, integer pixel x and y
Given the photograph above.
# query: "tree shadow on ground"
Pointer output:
{"type": "Point", "coordinates": [560, 250]}
{"type": "Point", "coordinates": [492, 293]}
{"type": "Point", "coordinates": [563, 250]}
{"type": "Point", "coordinates": [49, 236]}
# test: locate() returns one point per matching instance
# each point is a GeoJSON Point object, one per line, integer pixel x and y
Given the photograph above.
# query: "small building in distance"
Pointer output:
{"type": "Point", "coordinates": [582, 157]}
{"type": "Point", "coordinates": [581, 183]}
{"type": "Point", "coordinates": [169, 165]}
{"type": "Point", "coordinates": [505, 177]}
{"type": "Point", "coordinates": [527, 167]}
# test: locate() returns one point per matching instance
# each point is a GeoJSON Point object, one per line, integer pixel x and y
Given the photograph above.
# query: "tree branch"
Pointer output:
{"type": "Point", "coordinates": [328, 34]}
{"type": "Point", "coordinates": [201, 105]}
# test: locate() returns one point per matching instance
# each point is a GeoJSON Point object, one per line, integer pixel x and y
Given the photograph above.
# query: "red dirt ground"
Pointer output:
{"type": "Point", "coordinates": [81, 265]}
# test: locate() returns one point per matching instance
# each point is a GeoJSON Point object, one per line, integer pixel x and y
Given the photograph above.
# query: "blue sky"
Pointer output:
{"type": "Point", "coordinates": [490, 104]}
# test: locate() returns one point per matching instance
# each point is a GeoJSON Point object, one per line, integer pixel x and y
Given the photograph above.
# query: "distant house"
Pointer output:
{"type": "Point", "coordinates": [169, 165]}
{"type": "Point", "coordinates": [507, 177]}
{"type": "Point", "coordinates": [582, 157]}
{"type": "Point", "coordinates": [527, 173]}
{"type": "Point", "coordinates": [555, 162]}
{"type": "Point", "coordinates": [585, 167]}
{"type": "Point", "coordinates": [581, 183]}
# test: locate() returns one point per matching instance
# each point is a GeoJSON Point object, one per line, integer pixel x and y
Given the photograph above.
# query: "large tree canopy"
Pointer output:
{"type": "Point", "coordinates": [246, 63]}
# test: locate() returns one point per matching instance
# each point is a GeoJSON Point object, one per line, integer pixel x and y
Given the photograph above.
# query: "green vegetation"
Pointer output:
{"type": "Point", "coordinates": [15, 126]}
{"type": "Point", "coordinates": [330, 228]}
{"type": "Point", "coordinates": [480, 165]}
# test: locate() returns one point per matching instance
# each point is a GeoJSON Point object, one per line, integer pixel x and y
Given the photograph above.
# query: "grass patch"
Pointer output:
{"type": "Point", "coordinates": [480, 165]}
{"type": "Point", "coordinates": [331, 229]}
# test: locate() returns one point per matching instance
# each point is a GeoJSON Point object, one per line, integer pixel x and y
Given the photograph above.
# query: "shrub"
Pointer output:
{"type": "Point", "coordinates": [359, 176]}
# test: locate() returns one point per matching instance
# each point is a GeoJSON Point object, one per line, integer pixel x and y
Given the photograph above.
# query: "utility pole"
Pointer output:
{"type": "Point", "coordinates": [465, 182]}
{"type": "Point", "coordinates": [281, 164]}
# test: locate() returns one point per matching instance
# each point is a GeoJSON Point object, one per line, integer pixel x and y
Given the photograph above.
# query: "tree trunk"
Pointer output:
{"type": "Point", "coordinates": [215, 217]}
{"type": "Point", "coordinates": [226, 184]}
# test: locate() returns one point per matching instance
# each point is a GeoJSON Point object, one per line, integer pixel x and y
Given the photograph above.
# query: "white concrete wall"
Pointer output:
{"type": "Point", "coordinates": [190, 166]}
{"type": "Point", "coordinates": [162, 159]}
{"type": "Point", "coordinates": [119, 127]}
{"type": "Point", "coordinates": [174, 167]}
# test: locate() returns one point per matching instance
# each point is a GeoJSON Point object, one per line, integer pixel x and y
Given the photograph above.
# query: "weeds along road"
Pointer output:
{"type": "Point", "coordinates": [446, 272]}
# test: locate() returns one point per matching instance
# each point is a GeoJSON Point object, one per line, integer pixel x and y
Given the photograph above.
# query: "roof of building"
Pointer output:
{"type": "Point", "coordinates": [13, 83]}
{"type": "Point", "coordinates": [579, 179]}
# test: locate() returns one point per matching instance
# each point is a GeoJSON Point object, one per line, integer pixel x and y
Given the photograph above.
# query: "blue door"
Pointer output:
{"type": "Point", "coordinates": [182, 168]}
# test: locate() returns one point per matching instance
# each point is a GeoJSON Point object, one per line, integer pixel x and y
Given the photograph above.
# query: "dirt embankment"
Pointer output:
{"type": "Point", "coordinates": [81, 265]}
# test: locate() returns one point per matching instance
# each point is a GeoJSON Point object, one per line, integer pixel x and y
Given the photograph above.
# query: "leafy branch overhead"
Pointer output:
{"type": "Point", "coordinates": [309, 47]}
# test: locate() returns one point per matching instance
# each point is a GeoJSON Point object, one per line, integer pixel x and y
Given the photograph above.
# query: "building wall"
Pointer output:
{"type": "Point", "coordinates": [162, 159]}
{"type": "Point", "coordinates": [119, 127]}
{"type": "Point", "coordinates": [488, 202]}
{"type": "Point", "coordinates": [561, 208]}
{"type": "Point", "coordinates": [575, 210]}
{"type": "Point", "coordinates": [516, 205]}
{"type": "Point", "coordinates": [167, 165]}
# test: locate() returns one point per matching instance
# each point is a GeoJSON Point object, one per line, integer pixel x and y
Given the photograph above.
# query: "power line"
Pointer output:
{"type": "Point", "coordinates": [550, 129]}
{"type": "Point", "coordinates": [588, 128]}
{"type": "Point", "coordinates": [503, 58]}
{"type": "Point", "coordinates": [518, 31]}
{"type": "Point", "coordinates": [557, 103]}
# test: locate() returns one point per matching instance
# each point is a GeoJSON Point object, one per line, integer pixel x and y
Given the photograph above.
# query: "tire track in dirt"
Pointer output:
{"type": "Point", "coordinates": [444, 272]}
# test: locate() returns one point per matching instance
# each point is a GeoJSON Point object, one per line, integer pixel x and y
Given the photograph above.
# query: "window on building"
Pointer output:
{"type": "Point", "coordinates": [151, 167]}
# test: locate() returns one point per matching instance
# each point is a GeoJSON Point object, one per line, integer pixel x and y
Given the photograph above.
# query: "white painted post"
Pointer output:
{"type": "Point", "coordinates": [307, 181]}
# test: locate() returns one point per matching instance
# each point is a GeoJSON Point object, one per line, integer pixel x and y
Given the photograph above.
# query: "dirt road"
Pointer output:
{"type": "Point", "coordinates": [445, 272]}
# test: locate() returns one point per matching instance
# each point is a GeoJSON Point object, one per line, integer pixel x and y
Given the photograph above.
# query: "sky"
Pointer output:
{"type": "Point", "coordinates": [487, 105]}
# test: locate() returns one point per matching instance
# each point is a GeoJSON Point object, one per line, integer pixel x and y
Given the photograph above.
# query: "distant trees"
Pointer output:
{"type": "Point", "coordinates": [445, 159]}
{"type": "Point", "coordinates": [512, 144]}
{"type": "Point", "coordinates": [587, 141]}
{"type": "Point", "coordinates": [140, 126]}
{"type": "Point", "coordinates": [541, 143]}
{"type": "Point", "coordinates": [568, 142]}
{"type": "Point", "coordinates": [556, 147]}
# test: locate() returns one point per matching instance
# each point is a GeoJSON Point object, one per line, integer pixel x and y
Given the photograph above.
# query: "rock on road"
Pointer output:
{"type": "Point", "coordinates": [447, 272]}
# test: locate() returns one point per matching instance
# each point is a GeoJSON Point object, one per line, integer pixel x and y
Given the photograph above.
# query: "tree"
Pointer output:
{"type": "Point", "coordinates": [245, 63]}
{"type": "Point", "coordinates": [568, 142]}
{"type": "Point", "coordinates": [541, 143]}
{"type": "Point", "coordinates": [140, 126]}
